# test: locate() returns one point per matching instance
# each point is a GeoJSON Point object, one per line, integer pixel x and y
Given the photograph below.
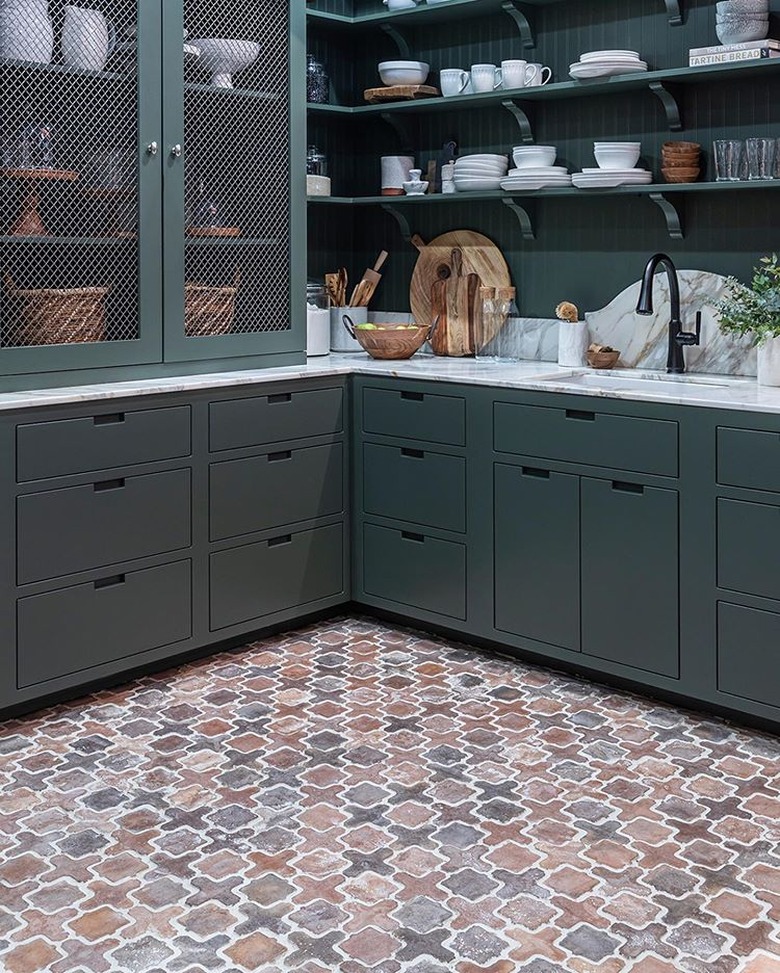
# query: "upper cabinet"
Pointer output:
{"type": "Point", "coordinates": [147, 197]}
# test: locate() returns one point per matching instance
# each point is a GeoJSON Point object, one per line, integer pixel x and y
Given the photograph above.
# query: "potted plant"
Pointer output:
{"type": "Point", "coordinates": [755, 312]}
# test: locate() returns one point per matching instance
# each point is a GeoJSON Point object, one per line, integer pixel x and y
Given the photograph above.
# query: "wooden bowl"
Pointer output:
{"type": "Point", "coordinates": [673, 148]}
{"type": "Point", "coordinates": [681, 161]}
{"type": "Point", "coordinates": [603, 359]}
{"type": "Point", "coordinates": [389, 344]}
{"type": "Point", "coordinates": [680, 175]}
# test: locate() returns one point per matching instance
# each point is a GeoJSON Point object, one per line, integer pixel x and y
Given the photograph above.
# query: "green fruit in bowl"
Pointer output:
{"type": "Point", "coordinates": [366, 327]}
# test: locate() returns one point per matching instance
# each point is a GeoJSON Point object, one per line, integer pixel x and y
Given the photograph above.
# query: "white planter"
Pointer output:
{"type": "Point", "coordinates": [572, 344]}
{"type": "Point", "coordinates": [769, 362]}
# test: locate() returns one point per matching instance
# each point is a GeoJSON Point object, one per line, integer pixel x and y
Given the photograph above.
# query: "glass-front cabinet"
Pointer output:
{"type": "Point", "coordinates": [149, 187]}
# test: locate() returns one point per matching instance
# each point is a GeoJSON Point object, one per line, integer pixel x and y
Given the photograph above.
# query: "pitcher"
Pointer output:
{"type": "Point", "coordinates": [26, 32]}
{"type": "Point", "coordinates": [87, 39]}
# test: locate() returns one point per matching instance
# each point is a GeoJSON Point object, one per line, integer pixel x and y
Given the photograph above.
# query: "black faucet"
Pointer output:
{"type": "Point", "coordinates": [678, 339]}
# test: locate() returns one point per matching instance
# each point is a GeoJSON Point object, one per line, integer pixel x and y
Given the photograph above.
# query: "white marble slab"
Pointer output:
{"type": "Point", "coordinates": [721, 391]}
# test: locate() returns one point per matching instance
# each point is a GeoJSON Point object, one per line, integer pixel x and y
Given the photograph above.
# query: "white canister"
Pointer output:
{"type": "Point", "coordinates": [769, 362]}
{"type": "Point", "coordinates": [87, 39]}
{"type": "Point", "coordinates": [572, 344]}
{"type": "Point", "coordinates": [395, 172]}
{"type": "Point", "coordinates": [317, 331]}
{"type": "Point", "coordinates": [340, 338]}
{"type": "Point", "coordinates": [318, 186]}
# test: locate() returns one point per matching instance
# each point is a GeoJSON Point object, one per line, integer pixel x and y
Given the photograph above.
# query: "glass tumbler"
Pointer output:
{"type": "Point", "coordinates": [761, 158]}
{"type": "Point", "coordinates": [729, 155]}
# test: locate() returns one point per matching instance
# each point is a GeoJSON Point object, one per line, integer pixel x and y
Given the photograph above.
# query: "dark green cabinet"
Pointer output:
{"type": "Point", "coordinates": [537, 554]}
{"type": "Point", "coordinates": [748, 545]}
{"type": "Point", "coordinates": [748, 653]}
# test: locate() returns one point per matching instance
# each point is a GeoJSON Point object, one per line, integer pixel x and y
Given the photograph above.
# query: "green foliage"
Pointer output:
{"type": "Point", "coordinates": [753, 311]}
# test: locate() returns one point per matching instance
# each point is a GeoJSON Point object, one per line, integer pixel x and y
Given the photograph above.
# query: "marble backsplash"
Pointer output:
{"type": "Point", "coordinates": [642, 341]}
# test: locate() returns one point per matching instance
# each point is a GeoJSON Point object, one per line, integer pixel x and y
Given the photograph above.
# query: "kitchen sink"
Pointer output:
{"type": "Point", "coordinates": [647, 382]}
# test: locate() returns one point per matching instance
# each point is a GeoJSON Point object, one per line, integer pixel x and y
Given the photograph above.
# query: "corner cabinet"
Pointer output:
{"type": "Point", "coordinates": [149, 203]}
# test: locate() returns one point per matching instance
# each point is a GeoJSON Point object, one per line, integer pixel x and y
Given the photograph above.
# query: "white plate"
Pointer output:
{"type": "Point", "coordinates": [581, 72]}
{"type": "Point", "coordinates": [608, 55]}
{"type": "Point", "coordinates": [482, 157]}
{"type": "Point", "coordinates": [608, 182]}
{"type": "Point", "coordinates": [484, 166]}
{"type": "Point", "coordinates": [538, 171]}
{"type": "Point", "coordinates": [477, 185]}
{"type": "Point", "coordinates": [613, 172]}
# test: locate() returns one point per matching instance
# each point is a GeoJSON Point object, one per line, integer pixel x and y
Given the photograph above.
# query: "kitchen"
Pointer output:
{"type": "Point", "coordinates": [456, 655]}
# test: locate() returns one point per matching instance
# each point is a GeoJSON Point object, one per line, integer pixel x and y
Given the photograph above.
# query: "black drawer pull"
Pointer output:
{"type": "Point", "coordinates": [109, 420]}
{"type": "Point", "coordinates": [534, 471]}
{"type": "Point", "coordinates": [106, 485]}
{"type": "Point", "coordinates": [413, 453]}
{"type": "Point", "coordinates": [409, 536]}
{"type": "Point", "coordinates": [413, 396]}
{"type": "Point", "coordinates": [117, 579]}
{"type": "Point", "coordinates": [581, 415]}
{"type": "Point", "coordinates": [278, 541]}
{"type": "Point", "coordinates": [280, 397]}
{"type": "Point", "coordinates": [627, 487]}
{"type": "Point", "coordinates": [278, 457]}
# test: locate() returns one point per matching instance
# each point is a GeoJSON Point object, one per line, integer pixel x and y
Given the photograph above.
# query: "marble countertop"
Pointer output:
{"type": "Point", "coordinates": [713, 391]}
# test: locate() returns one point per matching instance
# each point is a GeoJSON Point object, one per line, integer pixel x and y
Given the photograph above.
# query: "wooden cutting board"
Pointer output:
{"type": "Point", "coordinates": [399, 92]}
{"type": "Point", "coordinates": [456, 302]}
{"type": "Point", "coordinates": [480, 256]}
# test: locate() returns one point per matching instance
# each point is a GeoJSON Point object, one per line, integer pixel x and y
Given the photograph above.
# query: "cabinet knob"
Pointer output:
{"type": "Point", "coordinates": [152, 148]}
{"type": "Point", "coordinates": [176, 151]}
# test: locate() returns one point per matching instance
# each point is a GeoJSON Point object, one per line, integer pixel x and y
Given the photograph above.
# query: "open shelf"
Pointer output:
{"type": "Point", "coordinates": [7, 63]}
{"type": "Point", "coordinates": [210, 89]}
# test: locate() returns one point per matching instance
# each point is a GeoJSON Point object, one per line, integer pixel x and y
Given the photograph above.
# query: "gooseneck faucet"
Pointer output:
{"type": "Point", "coordinates": [678, 339]}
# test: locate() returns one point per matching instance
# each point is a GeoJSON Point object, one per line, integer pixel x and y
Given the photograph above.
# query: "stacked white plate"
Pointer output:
{"type": "Point", "coordinates": [480, 173]}
{"type": "Point", "coordinates": [606, 64]}
{"type": "Point", "coordinates": [540, 177]}
{"type": "Point", "coordinates": [610, 178]}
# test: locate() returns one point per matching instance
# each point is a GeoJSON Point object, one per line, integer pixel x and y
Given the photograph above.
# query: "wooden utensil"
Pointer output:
{"type": "Point", "coordinates": [456, 301]}
{"type": "Point", "coordinates": [480, 256]}
{"type": "Point", "coordinates": [367, 286]}
{"type": "Point", "coordinates": [343, 281]}
{"type": "Point", "coordinates": [332, 286]}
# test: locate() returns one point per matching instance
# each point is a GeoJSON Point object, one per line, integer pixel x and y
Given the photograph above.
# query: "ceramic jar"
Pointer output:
{"type": "Point", "coordinates": [769, 362]}
{"type": "Point", "coordinates": [26, 32]}
{"type": "Point", "coordinates": [572, 343]}
{"type": "Point", "coordinates": [87, 39]}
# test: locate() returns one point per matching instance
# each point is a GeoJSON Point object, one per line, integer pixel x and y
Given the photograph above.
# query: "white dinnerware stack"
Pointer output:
{"type": "Point", "coordinates": [535, 169]}
{"type": "Point", "coordinates": [616, 167]}
{"type": "Point", "coordinates": [606, 64]}
{"type": "Point", "coordinates": [480, 173]}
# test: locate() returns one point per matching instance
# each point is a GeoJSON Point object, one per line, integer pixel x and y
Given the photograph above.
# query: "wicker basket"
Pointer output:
{"type": "Point", "coordinates": [54, 316]}
{"type": "Point", "coordinates": [209, 310]}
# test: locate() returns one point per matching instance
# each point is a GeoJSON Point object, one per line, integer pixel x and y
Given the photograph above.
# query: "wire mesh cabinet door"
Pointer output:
{"type": "Point", "coordinates": [80, 184]}
{"type": "Point", "coordinates": [234, 123]}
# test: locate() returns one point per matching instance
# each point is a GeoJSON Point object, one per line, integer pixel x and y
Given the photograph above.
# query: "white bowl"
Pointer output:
{"type": "Point", "coordinates": [617, 145]}
{"type": "Point", "coordinates": [533, 156]}
{"type": "Point", "coordinates": [482, 166]}
{"type": "Point", "coordinates": [742, 31]}
{"type": "Point", "coordinates": [483, 157]}
{"type": "Point", "coordinates": [224, 56]}
{"type": "Point", "coordinates": [403, 72]}
{"type": "Point", "coordinates": [625, 158]}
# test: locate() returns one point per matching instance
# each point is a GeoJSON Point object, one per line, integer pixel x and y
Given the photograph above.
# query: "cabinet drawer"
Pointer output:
{"type": "Point", "coordinates": [415, 415]}
{"type": "Point", "coordinates": [587, 437]}
{"type": "Point", "coordinates": [415, 570]}
{"type": "Point", "coordinates": [101, 442]}
{"type": "Point", "coordinates": [748, 542]}
{"type": "Point", "coordinates": [269, 576]}
{"type": "Point", "coordinates": [267, 491]}
{"type": "Point", "coordinates": [748, 458]}
{"type": "Point", "coordinates": [415, 485]}
{"type": "Point", "coordinates": [749, 653]}
{"type": "Point", "coordinates": [86, 625]}
{"type": "Point", "coordinates": [274, 418]}
{"type": "Point", "coordinates": [65, 531]}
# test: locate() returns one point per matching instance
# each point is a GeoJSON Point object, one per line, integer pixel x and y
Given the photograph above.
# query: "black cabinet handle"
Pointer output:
{"type": "Point", "coordinates": [278, 541]}
{"type": "Point", "coordinates": [113, 419]}
{"type": "Point", "coordinates": [281, 397]}
{"type": "Point", "coordinates": [413, 396]}
{"type": "Point", "coordinates": [409, 536]}
{"type": "Point", "coordinates": [278, 457]}
{"type": "Point", "coordinates": [581, 415]}
{"type": "Point", "coordinates": [622, 487]}
{"type": "Point", "coordinates": [105, 485]}
{"type": "Point", "coordinates": [413, 453]}
{"type": "Point", "coordinates": [112, 582]}
{"type": "Point", "coordinates": [534, 471]}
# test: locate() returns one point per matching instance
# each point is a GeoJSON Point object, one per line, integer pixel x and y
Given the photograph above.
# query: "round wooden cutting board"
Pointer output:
{"type": "Point", "coordinates": [480, 256]}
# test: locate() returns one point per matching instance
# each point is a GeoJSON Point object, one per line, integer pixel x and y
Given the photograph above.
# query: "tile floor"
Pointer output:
{"type": "Point", "coordinates": [353, 797]}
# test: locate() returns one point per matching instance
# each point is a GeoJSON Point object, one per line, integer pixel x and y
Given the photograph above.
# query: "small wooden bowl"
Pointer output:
{"type": "Point", "coordinates": [603, 359]}
{"type": "Point", "coordinates": [680, 175]}
{"type": "Point", "coordinates": [680, 161]}
{"type": "Point", "coordinates": [672, 148]}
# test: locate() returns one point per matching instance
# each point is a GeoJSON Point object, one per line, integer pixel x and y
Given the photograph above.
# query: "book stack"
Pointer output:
{"type": "Point", "coordinates": [750, 51]}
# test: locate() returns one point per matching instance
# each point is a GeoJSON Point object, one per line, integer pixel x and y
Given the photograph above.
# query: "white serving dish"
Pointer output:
{"type": "Point", "coordinates": [224, 57]}
{"type": "Point", "coordinates": [608, 56]}
{"type": "Point", "coordinates": [477, 185]}
{"type": "Point", "coordinates": [609, 180]}
{"type": "Point", "coordinates": [403, 72]}
{"type": "Point", "coordinates": [605, 69]}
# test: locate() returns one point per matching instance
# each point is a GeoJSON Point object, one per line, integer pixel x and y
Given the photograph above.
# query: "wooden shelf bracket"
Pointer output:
{"type": "Point", "coordinates": [670, 102]}
{"type": "Point", "coordinates": [523, 218]}
{"type": "Point", "coordinates": [671, 215]}
{"type": "Point", "coordinates": [523, 121]}
{"type": "Point", "coordinates": [401, 220]}
{"type": "Point", "coordinates": [526, 34]}
{"type": "Point", "coordinates": [402, 132]}
{"type": "Point", "coordinates": [674, 10]}
{"type": "Point", "coordinates": [404, 50]}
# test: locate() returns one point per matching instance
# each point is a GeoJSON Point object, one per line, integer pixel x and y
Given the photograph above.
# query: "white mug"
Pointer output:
{"type": "Point", "coordinates": [540, 75]}
{"type": "Point", "coordinates": [517, 74]}
{"type": "Point", "coordinates": [453, 81]}
{"type": "Point", "coordinates": [484, 77]}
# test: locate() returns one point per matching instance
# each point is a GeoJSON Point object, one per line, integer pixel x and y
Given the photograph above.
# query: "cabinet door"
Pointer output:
{"type": "Point", "coordinates": [630, 575]}
{"type": "Point", "coordinates": [537, 555]}
{"type": "Point", "coordinates": [80, 226]}
{"type": "Point", "coordinates": [233, 174]}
